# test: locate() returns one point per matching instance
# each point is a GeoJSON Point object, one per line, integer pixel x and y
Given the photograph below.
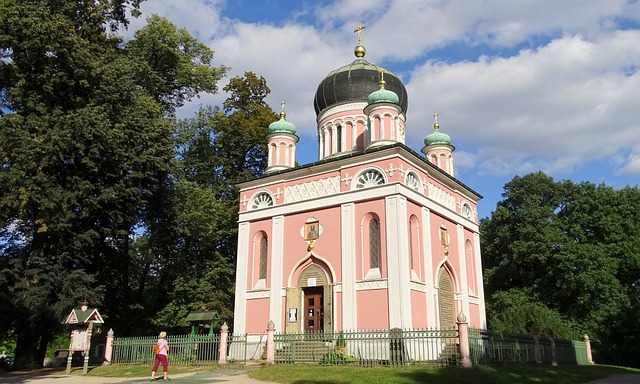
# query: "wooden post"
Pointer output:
{"type": "Point", "coordinates": [108, 348]}
{"type": "Point", "coordinates": [87, 348]}
{"type": "Point", "coordinates": [70, 355]}
{"type": "Point", "coordinates": [271, 349]}
{"type": "Point", "coordinates": [463, 339]}
{"type": "Point", "coordinates": [224, 331]}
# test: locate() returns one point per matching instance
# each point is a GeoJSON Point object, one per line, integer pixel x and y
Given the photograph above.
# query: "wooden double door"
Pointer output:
{"type": "Point", "coordinates": [313, 318]}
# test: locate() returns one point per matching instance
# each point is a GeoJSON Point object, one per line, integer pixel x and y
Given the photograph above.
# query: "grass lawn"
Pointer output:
{"type": "Point", "coordinates": [319, 374]}
{"type": "Point", "coordinates": [504, 374]}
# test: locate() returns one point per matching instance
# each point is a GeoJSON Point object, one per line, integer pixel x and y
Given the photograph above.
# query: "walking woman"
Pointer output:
{"type": "Point", "coordinates": [161, 356]}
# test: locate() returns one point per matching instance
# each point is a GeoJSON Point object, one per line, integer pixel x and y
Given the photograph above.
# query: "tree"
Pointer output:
{"type": "Point", "coordinates": [216, 150]}
{"type": "Point", "coordinates": [571, 250]}
{"type": "Point", "coordinates": [85, 150]}
{"type": "Point", "coordinates": [172, 66]}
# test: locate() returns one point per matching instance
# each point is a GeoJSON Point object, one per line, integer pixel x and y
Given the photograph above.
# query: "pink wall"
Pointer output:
{"type": "Point", "coordinates": [419, 309]}
{"type": "Point", "coordinates": [474, 316]}
{"type": "Point", "coordinates": [327, 246]}
{"type": "Point", "coordinates": [257, 315]}
{"type": "Point", "coordinates": [373, 309]}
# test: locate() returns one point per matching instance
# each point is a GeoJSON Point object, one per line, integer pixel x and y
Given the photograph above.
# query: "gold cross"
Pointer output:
{"type": "Point", "coordinates": [435, 121]}
{"type": "Point", "coordinates": [282, 105]}
{"type": "Point", "coordinates": [360, 28]}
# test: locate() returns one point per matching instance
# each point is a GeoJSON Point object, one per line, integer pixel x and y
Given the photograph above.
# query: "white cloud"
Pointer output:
{"type": "Point", "coordinates": [567, 103]}
{"type": "Point", "coordinates": [556, 106]}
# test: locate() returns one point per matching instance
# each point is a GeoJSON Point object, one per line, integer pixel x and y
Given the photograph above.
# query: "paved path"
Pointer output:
{"type": "Point", "coordinates": [210, 377]}
{"type": "Point", "coordinates": [618, 379]}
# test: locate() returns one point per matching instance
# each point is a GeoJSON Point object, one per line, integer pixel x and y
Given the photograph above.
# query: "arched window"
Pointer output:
{"type": "Point", "coordinates": [413, 181]}
{"type": "Point", "coordinates": [414, 248]}
{"type": "Point", "coordinates": [369, 178]}
{"type": "Point", "coordinates": [260, 263]}
{"type": "Point", "coordinates": [471, 267]}
{"type": "Point", "coordinates": [374, 244]}
{"type": "Point", "coordinates": [338, 138]}
{"type": "Point", "coordinates": [262, 200]}
{"type": "Point", "coordinates": [263, 258]}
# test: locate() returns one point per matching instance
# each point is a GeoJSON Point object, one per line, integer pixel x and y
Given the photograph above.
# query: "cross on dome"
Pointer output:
{"type": "Point", "coordinates": [358, 30]}
{"type": "Point", "coordinates": [359, 50]}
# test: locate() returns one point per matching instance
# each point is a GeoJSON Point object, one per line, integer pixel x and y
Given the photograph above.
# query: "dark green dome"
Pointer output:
{"type": "Point", "coordinates": [355, 82]}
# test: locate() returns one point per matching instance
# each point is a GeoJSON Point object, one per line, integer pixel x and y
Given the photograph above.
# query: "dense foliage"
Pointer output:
{"type": "Point", "coordinates": [95, 202]}
{"type": "Point", "coordinates": [565, 258]}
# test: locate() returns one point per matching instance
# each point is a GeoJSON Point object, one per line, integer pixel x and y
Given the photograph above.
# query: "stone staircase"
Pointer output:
{"type": "Point", "coordinates": [303, 351]}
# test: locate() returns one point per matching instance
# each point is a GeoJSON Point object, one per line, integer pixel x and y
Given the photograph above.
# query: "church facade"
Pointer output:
{"type": "Point", "coordinates": [373, 235]}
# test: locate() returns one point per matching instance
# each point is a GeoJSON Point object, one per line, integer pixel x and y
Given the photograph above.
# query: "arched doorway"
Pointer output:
{"type": "Point", "coordinates": [312, 298]}
{"type": "Point", "coordinates": [446, 300]}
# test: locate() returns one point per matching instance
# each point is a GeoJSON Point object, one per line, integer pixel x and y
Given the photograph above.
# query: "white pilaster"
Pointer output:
{"type": "Point", "coordinates": [348, 242]}
{"type": "Point", "coordinates": [354, 136]}
{"type": "Point", "coordinates": [293, 157]}
{"type": "Point", "coordinates": [240, 308]}
{"type": "Point", "coordinates": [429, 267]}
{"type": "Point", "coordinates": [477, 257]}
{"type": "Point", "coordinates": [398, 262]}
{"type": "Point", "coordinates": [464, 280]}
{"type": "Point", "coordinates": [277, 254]}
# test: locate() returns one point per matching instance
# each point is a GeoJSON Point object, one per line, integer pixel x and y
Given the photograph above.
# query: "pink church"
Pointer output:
{"type": "Point", "coordinates": [372, 235]}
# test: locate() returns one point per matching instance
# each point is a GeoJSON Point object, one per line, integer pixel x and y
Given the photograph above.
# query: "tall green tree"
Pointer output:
{"type": "Point", "coordinates": [85, 148]}
{"type": "Point", "coordinates": [572, 251]}
{"type": "Point", "coordinates": [216, 150]}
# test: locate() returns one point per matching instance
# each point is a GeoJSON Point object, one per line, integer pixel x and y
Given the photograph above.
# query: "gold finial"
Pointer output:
{"type": "Point", "coordinates": [435, 121]}
{"type": "Point", "coordinates": [359, 50]}
{"type": "Point", "coordinates": [282, 114]}
{"type": "Point", "coordinates": [382, 82]}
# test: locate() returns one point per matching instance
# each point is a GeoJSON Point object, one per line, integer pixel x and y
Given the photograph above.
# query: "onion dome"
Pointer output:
{"type": "Point", "coordinates": [437, 137]}
{"type": "Point", "coordinates": [355, 82]}
{"type": "Point", "coordinates": [282, 125]}
{"type": "Point", "coordinates": [383, 95]}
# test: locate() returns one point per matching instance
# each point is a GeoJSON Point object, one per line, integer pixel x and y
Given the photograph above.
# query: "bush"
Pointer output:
{"type": "Point", "coordinates": [337, 358]}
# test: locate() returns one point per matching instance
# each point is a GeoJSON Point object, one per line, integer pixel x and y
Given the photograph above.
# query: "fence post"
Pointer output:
{"type": "Point", "coordinates": [552, 344]}
{"type": "Point", "coordinates": [222, 348]}
{"type": "Point", "coordinates": [537, 352]}
{"type": "Point", "coordinates": [463, 339]}
{"type": "Point", "coordinates": [587, 341]}
{"type": "Point", "coordinates": [271, 348]}
{"type": "Point", "coordinates": [108, 348]}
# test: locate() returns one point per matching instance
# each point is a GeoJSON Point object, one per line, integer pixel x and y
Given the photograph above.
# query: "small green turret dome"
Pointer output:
{"type": "Point", "coordinates": [437, 137]}
{"type": "Point", "coordinates": [282, 126]}
{"type": "Point", "coordinates": [383, 95]}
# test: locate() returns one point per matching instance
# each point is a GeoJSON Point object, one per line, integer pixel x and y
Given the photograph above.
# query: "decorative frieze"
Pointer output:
{"type": "Point", "coordinates": [312, 189]}
{"type": "Point", "coordinates": [441, 196]}
{"type": "Point", "coordinates": [258, 294]}
{"type": "Point", "coordinates": [416, 286]}
{"type": "Point", "coordinates": [373, 284]}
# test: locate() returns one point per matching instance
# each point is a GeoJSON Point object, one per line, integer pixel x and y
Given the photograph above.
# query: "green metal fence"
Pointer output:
{"type": "Point", "coordinates": [369, 348]}
{"type": "Point", "coordinates": [488, 347]}
{"type": "Point", "coordinates": [183, 349]}
{"type": "Point", "coordinates": [394, 347]}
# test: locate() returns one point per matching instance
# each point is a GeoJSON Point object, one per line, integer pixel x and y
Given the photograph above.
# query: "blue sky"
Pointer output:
{"type": "Point", "coordinates": [520, 86]}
